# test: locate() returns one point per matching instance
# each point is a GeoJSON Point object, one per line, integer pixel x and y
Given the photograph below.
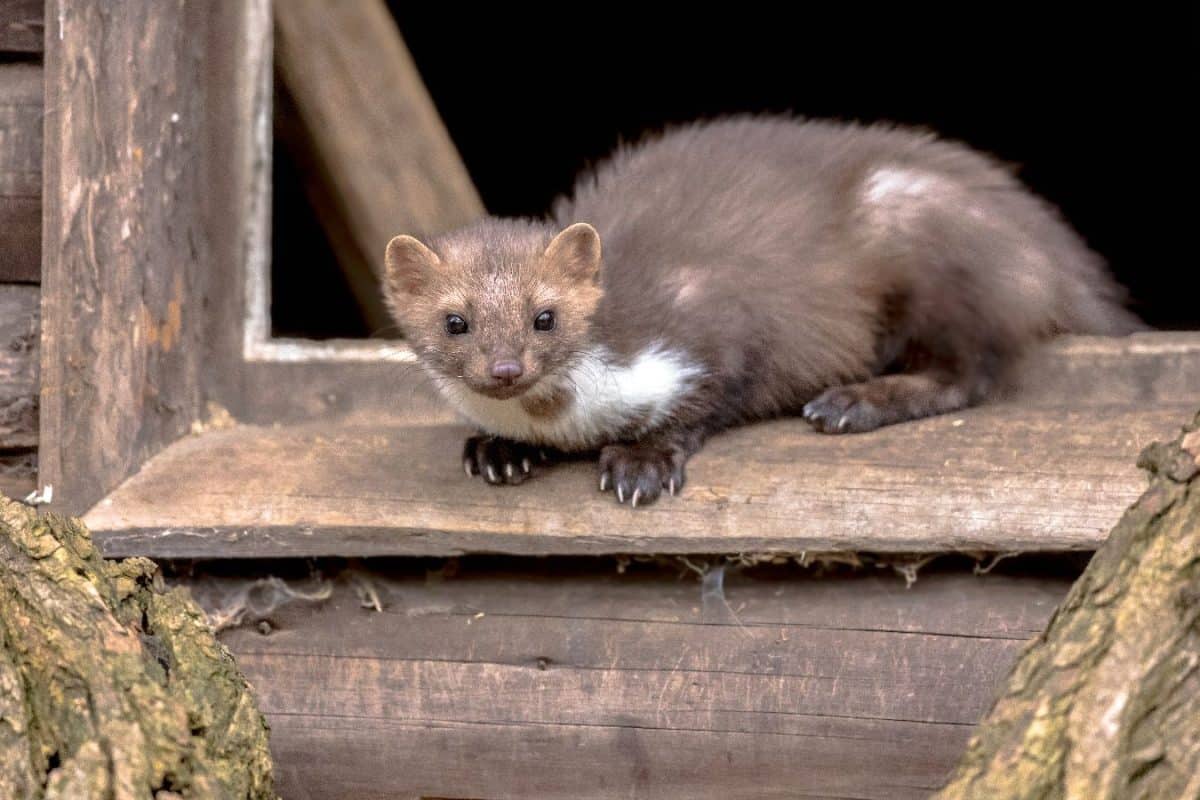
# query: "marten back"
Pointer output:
{"type": "Point", "coordinates": [827, 252]}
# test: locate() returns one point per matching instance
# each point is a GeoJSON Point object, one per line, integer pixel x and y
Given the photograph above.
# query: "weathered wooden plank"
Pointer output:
{"type": "Point", "coordinates": [21, 27]}
{"type": "Point", "coordinates": [126, 255]}
{"type": "Point", "coordinates": [20, 171]}
{"type": "Point", "coordinates": [300, 381]}
{"type": "Point", "coordinates": [327, 756]}
{"type": "Point", "coordinates": [1142, 370]}
{"type": "Point", "coordinates": [998, 478]}
{"type": "Point", "coordinates": [383, 158]}
{"type": "Point", "coordinates": [587, 590]}
{"type": "Point", "coordinates": [554, 681]}
{"type": "Point", "coordinates": [18, 366]}
{"type": "Point", "coordinates": [238, 146]}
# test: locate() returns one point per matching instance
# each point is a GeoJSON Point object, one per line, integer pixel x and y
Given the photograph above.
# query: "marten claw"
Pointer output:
{"type": "Point", "coordinates": [842, 410]}
{"type": "Point", "coordinates": [640, 472]}
{"type": "Point", "coordinates": [500, 461]}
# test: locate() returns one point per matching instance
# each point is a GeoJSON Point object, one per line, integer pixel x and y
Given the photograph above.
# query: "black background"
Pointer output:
{"type": "Point", "coordinates": [1093, 106]}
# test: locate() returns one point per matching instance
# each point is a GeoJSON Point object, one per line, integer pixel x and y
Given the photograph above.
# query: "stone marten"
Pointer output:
{"type": "Point", "coordinates": [735, 270]}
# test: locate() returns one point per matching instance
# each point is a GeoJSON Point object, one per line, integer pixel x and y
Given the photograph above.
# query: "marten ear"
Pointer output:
{"type": "Point", "coordinates": [576, 253]}
{"type": "Point", "coordinates": [409, 265]}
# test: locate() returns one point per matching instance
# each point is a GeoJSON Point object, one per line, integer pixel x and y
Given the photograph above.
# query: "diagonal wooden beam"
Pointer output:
{"type": "Point", "coordinates": [384, 162]}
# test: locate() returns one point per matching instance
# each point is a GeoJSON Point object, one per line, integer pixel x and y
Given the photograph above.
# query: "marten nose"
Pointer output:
{"type": "Point", "coordinates": [507, 369]}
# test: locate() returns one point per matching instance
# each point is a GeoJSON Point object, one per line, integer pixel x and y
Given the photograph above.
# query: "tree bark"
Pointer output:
{"type": "Point", "coordinates": [110, 686]}
{"type": "Point", "coordinates": [1106, 702]}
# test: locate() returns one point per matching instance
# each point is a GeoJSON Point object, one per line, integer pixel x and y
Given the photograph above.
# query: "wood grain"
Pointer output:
{"type": "Point", "coordinates": [383, 159]}
{"type": "Point", "coordinates": [999, 478]}
{"type": "Point", "coordinates": [126, 254]}
{"type": "Point", "coordinates": [589, 684]}
{"type": "Point", "coordinates": [18, 367]}
{"type": "Point", "coordinates": [21, 27]}
{"type": "Point", "coordinates": [317, 379]}
{"type": "Point", "coordinates": [21, 107]}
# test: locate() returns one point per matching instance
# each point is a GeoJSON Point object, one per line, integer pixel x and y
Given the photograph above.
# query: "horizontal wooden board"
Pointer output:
{"type": "Point", "coordinates": [295, 380]}
{"type": "Point", "coordinates": [21, 26]}
{"type": "Point", "coordinates": [591, 684]}
{"type": "Point", "coordinates": [21, 107]}
{"type": "Point", "coordinates": [999, 478]}
{"type": "Point", "coordinates": [18, 366]}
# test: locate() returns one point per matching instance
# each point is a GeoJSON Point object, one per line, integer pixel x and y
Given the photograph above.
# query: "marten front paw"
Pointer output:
{"type": "Point", "coordinates": [500, 461]}
{"type": "Point", "coordinates": [844, 409]}
{"type": "Point", "coordinates": [640, 472]}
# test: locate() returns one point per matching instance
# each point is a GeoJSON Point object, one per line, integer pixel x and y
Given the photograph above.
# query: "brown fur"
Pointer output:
{"type": "Point", "coordinates": [860, 275]}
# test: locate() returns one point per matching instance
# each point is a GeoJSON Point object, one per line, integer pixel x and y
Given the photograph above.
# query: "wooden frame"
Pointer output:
{"type": "Point", "coordinates": [175, 311]}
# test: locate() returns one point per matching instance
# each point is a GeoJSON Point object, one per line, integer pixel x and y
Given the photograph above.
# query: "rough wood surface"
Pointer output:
{"type": "Point", "coordinates": [1142, 370]}
{"type": "Point", "coordinates": [21, 105]}
{"type": "Point", "coordinates": [21, 27]}
{"type": "Point", "coordinates": [1106, 704]}
{"type": "Point", "coordinates": [315, 379]}
{"type": "Point", "coordinates": [18, 367]}
{"type": "Point", "coordinates": [1001, 478]}
{"type": "Point", "coordinates": [110, 687]}
{"type": "Point", "coordinates": [126, 253]}
{"type": "Point", "coordinates": [384, 159]}
{"type": "Point", "coordinates": [560, 681]}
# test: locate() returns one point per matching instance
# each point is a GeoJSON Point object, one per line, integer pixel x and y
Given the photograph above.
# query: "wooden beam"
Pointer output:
{"type": "Point", "coordinates": [21, 27]}
{"type": "Point", "coordinates": [18, 367]}
{"type": "Point", "coordinates": [126, 255]}
{"type": "Point", "coordinates": [555, 681]}
{"type": "Point", "coordinates": [21, 106]}
{"type": "Point", "coordinates": [306, 380]}
{"type": "Point", "coordinates": [997, 478]}
{"type": "Point", "coordinates": [382, 156]}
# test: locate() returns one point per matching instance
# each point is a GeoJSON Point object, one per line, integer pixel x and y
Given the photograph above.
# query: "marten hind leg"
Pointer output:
{"type": "Point", "coordinates": [885, 400]}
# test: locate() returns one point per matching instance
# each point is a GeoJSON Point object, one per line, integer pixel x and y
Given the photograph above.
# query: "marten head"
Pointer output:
{"type": "Point", "coordinates": [497, 306]}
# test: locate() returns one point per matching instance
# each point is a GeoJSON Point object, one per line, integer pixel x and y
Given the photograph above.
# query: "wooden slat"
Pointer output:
{"type": "Point", "coordinates": [20, 171]}
{"type": "Point", "coordinates": [1142, 370]}
{"type": "Point", "coordinates": [378, 149]}
{"type": "Point", "coordinates": [21, 27]}
{"type": "Point", "coordinates": [18, 366]}
{"type": "Point", "coordinates": [1000, 478]}
{"type": "Point", "coordinates": [311, 380]}
{"type": "Point", "coordinates": [590, 684]}
{"type": "Point", "coordinates": [126, 256]}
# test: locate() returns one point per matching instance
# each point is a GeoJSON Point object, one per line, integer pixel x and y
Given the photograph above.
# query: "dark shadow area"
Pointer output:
{"type": "Point", "coordinates": [310, 297]}
{"type": "Point", "coordinates": [1064, 567]}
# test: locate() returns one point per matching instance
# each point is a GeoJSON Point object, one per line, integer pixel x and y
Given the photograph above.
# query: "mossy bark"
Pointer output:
{"type": "Point", "coordinates": [112, 687]}
{"type": "Point", "coordinates": [1106, 702]}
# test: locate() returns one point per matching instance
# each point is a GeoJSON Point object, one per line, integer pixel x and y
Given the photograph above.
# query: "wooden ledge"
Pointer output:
{"type": "Point", "coordinates": [1003, 478]}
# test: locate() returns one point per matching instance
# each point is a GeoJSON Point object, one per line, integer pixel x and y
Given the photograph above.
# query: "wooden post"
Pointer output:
{"type": "Point", "coordinates": [382, 159]}
{"type": "Point", "coordinates": [126, 257]}
{"type": "Point", "coordinates": [1106, 704]}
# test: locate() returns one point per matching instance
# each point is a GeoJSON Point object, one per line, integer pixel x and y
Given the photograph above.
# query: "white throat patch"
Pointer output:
{"type": "Point", "coordinates": [607, 401]}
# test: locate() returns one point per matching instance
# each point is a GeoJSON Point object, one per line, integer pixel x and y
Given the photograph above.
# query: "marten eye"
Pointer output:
{"type": "Point", "coordinates": [455, 325]}
{"type": "Point", "coordinates": [544, 321]}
